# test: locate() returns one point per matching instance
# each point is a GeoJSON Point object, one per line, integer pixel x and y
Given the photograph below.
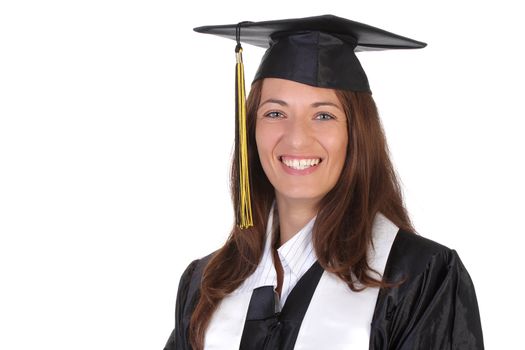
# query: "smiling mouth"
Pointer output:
{"type": "Point", "coordinates": [300, 163]}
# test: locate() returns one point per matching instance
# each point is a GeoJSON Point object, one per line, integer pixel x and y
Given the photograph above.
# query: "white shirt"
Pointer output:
{"type": "Point", "coordinates": [297, 256]}
{"type": "Point", "coordinates": [337, 318]}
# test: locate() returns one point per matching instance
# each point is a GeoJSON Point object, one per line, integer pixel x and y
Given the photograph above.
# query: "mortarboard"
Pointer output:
{"type": "Point", "coordinates": [318, 51]}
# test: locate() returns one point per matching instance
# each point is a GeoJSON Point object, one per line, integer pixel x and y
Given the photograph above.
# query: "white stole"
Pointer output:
{"type": "Point", "coordinates": [337, 318]}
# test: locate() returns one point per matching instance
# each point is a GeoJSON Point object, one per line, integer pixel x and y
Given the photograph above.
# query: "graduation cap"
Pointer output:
{"type": "Point", "coordinates": [318, 51]}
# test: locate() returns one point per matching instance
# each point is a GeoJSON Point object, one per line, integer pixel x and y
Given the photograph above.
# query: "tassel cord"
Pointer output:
{"type": "Point", "coordinates": [245, 219]}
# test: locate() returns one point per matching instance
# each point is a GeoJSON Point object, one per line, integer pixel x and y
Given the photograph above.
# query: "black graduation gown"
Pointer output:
{"type": "Point", "coordinates": [435, 307]}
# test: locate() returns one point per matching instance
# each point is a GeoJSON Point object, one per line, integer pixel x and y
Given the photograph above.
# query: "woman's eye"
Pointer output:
{"type": "Point", "coordinates": [324, 116]}
{"type": "Point", "coordinates": [274, 115]}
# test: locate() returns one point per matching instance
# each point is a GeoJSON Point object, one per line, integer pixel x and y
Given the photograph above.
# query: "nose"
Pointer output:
{"type": "Point", "coordinates": [298, 133]}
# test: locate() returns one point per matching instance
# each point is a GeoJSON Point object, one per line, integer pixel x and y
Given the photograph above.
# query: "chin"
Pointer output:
{"type": "Point", "coordinates": [301, 195]}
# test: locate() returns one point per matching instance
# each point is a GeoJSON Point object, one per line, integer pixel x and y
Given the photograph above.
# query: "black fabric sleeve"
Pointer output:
{"type": "Point", "coordinates": [440, 308]}
{"type": "Point", "coordinates": [435, 308]}
{"type": "Point", "coordinates": [178, 338]}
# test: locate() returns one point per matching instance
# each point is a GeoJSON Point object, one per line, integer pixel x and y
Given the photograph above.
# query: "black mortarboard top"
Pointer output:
{"type": "Point", "coordinates": [318, 51]}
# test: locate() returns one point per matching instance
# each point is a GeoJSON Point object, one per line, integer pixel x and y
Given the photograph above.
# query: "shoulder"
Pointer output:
{"type": "Point", "coordinates": [432, 304]}
{"type": "Point", "coordinates": [412, 255]}
{"type": "Point", "coordinates": [189, 286]}
{"type": "Point", "coordinates": [188, 294]}
{"type": "Point", "coordinates": [193, 272]}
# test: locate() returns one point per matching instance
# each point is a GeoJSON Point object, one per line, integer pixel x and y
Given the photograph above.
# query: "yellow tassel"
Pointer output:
{"type": "Point", "coordinates": [245, 206]}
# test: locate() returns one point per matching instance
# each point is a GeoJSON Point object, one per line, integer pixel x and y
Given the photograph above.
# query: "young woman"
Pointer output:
{"type": "Point", "coordinates": [331, 260]}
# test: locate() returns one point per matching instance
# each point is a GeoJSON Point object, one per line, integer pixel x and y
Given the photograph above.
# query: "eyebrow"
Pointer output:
{"type": "Point", "coordinates": [315, 104]}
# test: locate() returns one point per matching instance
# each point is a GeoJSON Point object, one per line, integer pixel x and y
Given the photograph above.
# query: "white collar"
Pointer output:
{"type": "Point", "coordinates": [297, 253]}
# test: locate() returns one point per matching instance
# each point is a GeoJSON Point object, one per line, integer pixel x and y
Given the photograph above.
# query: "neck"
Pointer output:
{"type": "Point", "coordinates": [293, 216]}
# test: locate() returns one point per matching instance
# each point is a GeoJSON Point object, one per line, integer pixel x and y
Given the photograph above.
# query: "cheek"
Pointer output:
{"type": "Point", "coordinates": [259, 140]}
{"type": "Point", "coordinates": [336, 144]}
{"type": "Point", "coordinates": [263, 147]}
{"type": "Point", "coordinates": [266, 139]}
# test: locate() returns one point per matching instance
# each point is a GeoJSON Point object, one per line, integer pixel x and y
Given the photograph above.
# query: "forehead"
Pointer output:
{"type": "Point", "coordinates": [294, 92]}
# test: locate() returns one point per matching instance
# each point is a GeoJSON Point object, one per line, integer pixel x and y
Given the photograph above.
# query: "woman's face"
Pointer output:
{"type": "Point", "coordinates": [301, 135]}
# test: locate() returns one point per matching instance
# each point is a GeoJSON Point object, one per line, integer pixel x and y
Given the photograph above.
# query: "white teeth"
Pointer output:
{"type": "Point", "coordinates": [301, 164]}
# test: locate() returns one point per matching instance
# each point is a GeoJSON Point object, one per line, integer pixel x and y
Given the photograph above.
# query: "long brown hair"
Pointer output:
{"type": "Point", "coordinates": [342, 231]}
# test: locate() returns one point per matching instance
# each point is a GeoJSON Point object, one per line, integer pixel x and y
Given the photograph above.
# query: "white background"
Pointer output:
{"type": "Point", "coordinates": [116, 129]}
